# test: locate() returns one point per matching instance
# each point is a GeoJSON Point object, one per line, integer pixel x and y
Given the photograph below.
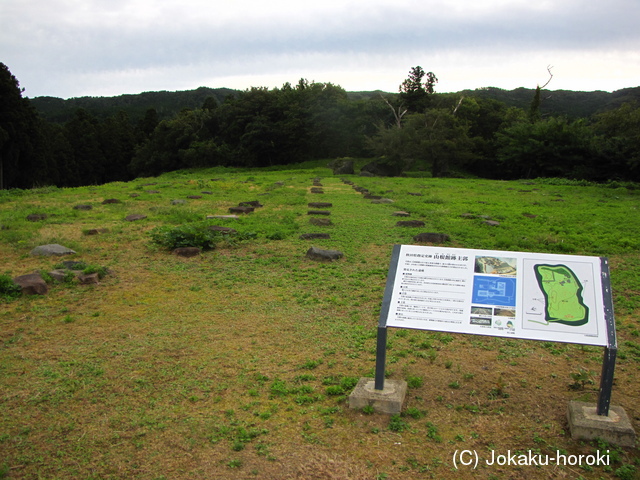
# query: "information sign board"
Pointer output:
{"type": "Point", "coordinates": [560, 298]}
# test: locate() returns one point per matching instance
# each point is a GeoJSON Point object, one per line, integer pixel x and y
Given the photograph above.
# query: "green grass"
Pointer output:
{"type": "Point", "coordinates": [238, 363]}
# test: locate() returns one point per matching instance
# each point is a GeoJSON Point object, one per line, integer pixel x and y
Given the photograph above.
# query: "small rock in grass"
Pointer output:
{"type": "Point", "coordinates": [429, 237]}
{"type": "Point", "coordinates": [52, 249]}
{"type": "Point", "coordinates": [32, 284]}
{"type": "Point", "coordinates": [187, 251]}
{"type": "Point", "coordinates": [410, 223]}
{"type": "Point", "coordinates": [316, 253]}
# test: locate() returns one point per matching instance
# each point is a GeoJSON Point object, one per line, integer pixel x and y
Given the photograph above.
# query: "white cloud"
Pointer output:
{"type": "Point", "coordinates": [93, 47]}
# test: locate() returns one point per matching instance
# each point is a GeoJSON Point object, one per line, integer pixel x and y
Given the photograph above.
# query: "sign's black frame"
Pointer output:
{"type": "Point", "coordinates": [610, 350]}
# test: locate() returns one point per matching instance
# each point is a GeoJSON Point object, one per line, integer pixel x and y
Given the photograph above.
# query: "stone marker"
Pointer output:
{"type": "Point", "coordinates": [316, 253]}
{"type": "Point", "coordinates": [320, 222]}
{"type": "Point", "coordinates": [241, 210]}
{"type": "Point", "coordinates": [96, 231]}
{"type": "Point", "coordinates": [187, 251]}
{"type": "Point", "coordinates": [52, 249]}
{"type": "Point", "coordinates": [401, 214]}
{"type": "Point", "coordinates": [89, 278]}
{"type": "Point", "coordinates": [389, 400]}
{"type": "Point", "coordinates": [111, 201]}
{"type": "Point", "coordinates": [36, 217]}
{"type": "Point", "coordinates": [178, 202]}
{"type": "Point", "coordinates": [586, 424]}
{"type": "Point", "coordinates": [194, 197]}
{"type": "Point", "coordinates": [382, 201]}
{"type": "Point", "coordinates": [311, 236]}
{"type": "Point", "coordinates": [415, 194]}
{"type": "Point", "coordinates": [134, 217]}
{"type": "Point", "coordinates": [431, 238]}
{"type": "Point", "coordinates": [320, 205]}
{"type": "Point", "coordinates": [410, 223]}
{"type": "Point", "coordinates": [316, 190]}
{"type": "Point", "coordinates": [216, 228]}
{"type": "Point", "coordinates": [252, 203]}
{"type": "Point", "coordinates": [368, 196]}
{"type": "Point", "coordinates": [223, 217]}
{"type": "Point", "coordinates": [318, 212]}
{"type": "Point", "coordinates": [32, 284]}
{"type": "Point", "coordinates": [82, 207]}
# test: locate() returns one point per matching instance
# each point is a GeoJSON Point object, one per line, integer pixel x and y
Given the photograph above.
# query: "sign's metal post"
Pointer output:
{"type": "Point", "coordinates": [606, 381]}
{"type": "Point", "coordinates": [381, 347]}
{"type": "Point", "coordinates": [381, 357]}
{"type": "Point", "coordinates": [610, 351]}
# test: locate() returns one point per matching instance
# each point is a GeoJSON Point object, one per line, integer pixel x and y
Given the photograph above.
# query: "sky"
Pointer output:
{"type": "Point", "coordinates": [75, 48]}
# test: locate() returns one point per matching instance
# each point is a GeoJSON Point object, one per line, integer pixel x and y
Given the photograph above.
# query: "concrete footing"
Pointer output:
{"type": "Point", "coordinates": [586, 424]}
{"type": "Point", "coordinates": [388, 401]}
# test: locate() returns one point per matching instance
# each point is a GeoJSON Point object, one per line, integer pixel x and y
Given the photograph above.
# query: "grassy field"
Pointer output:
{"type": "Point", "coordinates": [237, 363]}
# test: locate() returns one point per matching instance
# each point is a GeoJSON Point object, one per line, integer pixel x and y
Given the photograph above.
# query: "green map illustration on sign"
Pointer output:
{"type": "Point", "coordinates": [562, 294]}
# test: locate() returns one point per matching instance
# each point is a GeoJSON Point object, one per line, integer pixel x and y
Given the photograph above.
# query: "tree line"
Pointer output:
{"type": "Point", "coordinates": [415, 129]}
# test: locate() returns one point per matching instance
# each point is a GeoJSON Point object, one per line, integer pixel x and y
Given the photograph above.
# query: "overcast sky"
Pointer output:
{"type": "Point", "coordinates": [73, 48]}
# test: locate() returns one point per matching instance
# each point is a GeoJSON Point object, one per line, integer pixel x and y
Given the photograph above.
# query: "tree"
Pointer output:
{"type": "Point", "coordinates": [414, 93]}
{"type": "Point", "coordinates": [22, 149]}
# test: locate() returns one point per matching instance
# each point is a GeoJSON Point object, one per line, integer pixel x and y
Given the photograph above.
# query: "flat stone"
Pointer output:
{"type": "Point", "coordinates": [410, 223]}
{"type": "Point", "coordinates": [178, 202]}
{"type": "Point", "coordinates": [32, 284]}
{"type": "Point", "coordinates": [316, 190]}
{"type": "Point", "coordinates": [110, 201]}
{"type": "Point", "coordinates": [194, 197]}
{"type": "Point", "coordinates": [134, 217]}
{"type": "Point", "coordinates": [217, 228]}
{"type": "Point", "coordinates": [318, 212]}
{"type": "Point", "coordinates": [586, 424]}
{"type": "Point", "coordinates": [311, 236]}
{"type": "Point", "coordinates": [82, 207]}
{"type": "Point", "coordinates": [252, 203]}
{"type": "Point", "coordinates": [429, 237]}
{"type": "Point", "coordinates": [36, 217]}
{"type": "Point", "coordinates": [89, 278]}
{"type": "Point", "coordinates": [320, 205]}
{"type": "Point", "coordinates": [320, 222]}
{"type": "Point", "coordinates": [241, 210]}
{"type": "Point", "coordinates": [492, 223]}
{"type": "Point", "coordinates": [96, 231]}
{"type": "Point", "coordinates": [187, 251]}
{"type": "Point", "coordinates": [223, 217]}
{"type": "Point", "coordinates": [401, 214]}
{"type": "Point", "coordinates": [316, 253]}
{"type": "Point", "coordinates": [388, 401]}
{"type": "Point", "coordinates": [382, 201]}
{"type": "Point", "coordinates": [52, 249]}
{"type": "Point", "coordinates": [372, 197]}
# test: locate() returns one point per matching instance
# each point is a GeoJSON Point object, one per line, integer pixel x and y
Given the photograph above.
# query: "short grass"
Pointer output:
{"type": "Point", "coordinates": [237, 363]}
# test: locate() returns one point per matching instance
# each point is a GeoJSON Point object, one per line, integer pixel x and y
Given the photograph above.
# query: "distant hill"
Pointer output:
{"type": "Point", "coordinates": [560, 102]}
{"type": "Point", "coordinates": [168, 104]}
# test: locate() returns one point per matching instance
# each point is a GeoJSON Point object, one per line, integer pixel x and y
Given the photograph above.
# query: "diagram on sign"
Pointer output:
{"type": "Point", "coordinates": [562, 290]}
{"type": "Point", "coordinates": [494, 290]}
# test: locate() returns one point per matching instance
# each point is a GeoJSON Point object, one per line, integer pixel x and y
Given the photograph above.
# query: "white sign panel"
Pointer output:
{"type": "Point", "coordinates": [533, 296]}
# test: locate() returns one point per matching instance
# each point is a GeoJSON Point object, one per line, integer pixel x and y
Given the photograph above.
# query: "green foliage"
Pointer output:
{"type": "Point", "coordinates": [9, 290]}
{"type": "Point", "coordinates": [187, 235]}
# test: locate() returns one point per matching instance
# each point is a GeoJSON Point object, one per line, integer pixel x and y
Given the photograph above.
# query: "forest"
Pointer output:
{"type": "Point", "coordinates": [491, 133]}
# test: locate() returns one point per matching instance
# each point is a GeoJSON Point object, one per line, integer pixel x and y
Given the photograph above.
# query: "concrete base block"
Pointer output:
{"type": "Point", "coordinates": [387, 401]}
{"type": "Point", "coordinates": [586, 424]}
